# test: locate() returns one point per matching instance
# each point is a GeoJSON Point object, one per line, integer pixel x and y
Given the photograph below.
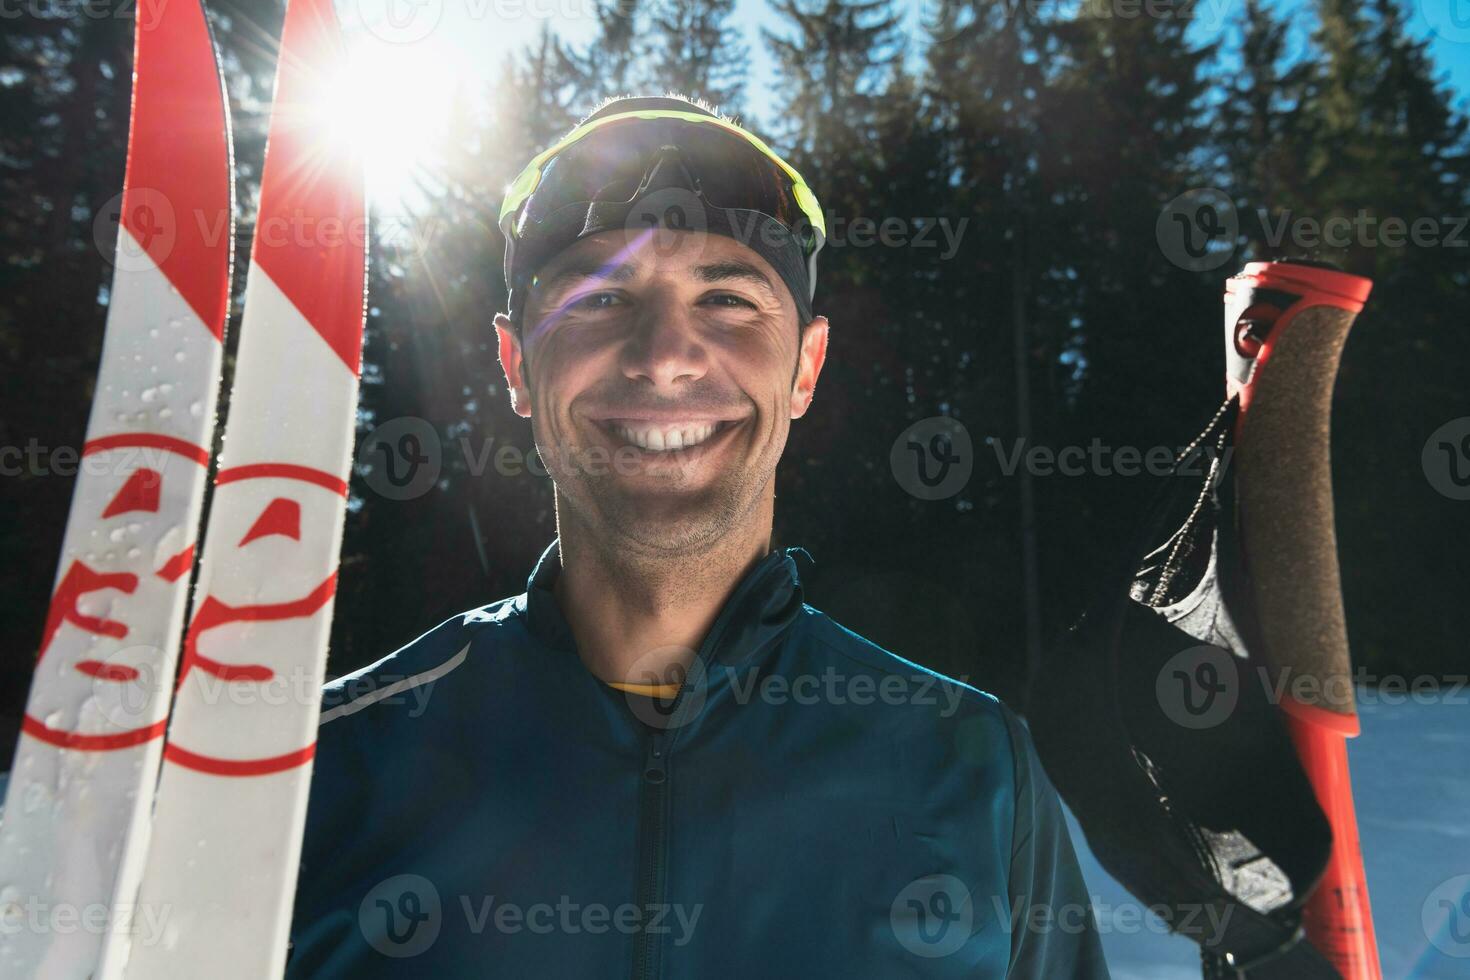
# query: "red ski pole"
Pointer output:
{"type": "Point", "coordinates": [1285, 325]}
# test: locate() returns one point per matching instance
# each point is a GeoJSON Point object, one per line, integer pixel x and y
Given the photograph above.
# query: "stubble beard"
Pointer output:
{"type": "Point", "coordinates": [653, 524]}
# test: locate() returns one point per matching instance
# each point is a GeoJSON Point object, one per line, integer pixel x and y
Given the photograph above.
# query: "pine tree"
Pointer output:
{"type": "Point", "coordinates": [835, 56]}
{"type": "Point", "coordinates": [608, 65]}
{"type": "Point", "coordinates": [64, 91]}
{"type": "Point", "coordinates": [984, 85]}
{"type": "Point", "coordinates": [1390, 147]}
{"type": "Point", "coordinates": [1125, 132]}
{"type": "Point", "coordinates": [1341, 130]}
{"type": "Point", "coordinates": [1259, 130]}
{"type": "Point", "coordinates": [695, 51]}
{"type": "Point", "coordinates": [546, 83]}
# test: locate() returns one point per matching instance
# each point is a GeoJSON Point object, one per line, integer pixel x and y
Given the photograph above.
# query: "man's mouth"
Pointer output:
{"type": "Point", "coordinates": [661, 437]}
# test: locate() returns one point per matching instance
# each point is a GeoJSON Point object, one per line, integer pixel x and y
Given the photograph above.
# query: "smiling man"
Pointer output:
{"type": "Point", "coordinates": [658, 761]}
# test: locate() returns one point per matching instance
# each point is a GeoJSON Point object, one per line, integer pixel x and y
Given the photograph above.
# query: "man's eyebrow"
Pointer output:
{"type": "Point", "coordinates": [581, 269]}
{"type": "Point", "coordinates": [734, 269]}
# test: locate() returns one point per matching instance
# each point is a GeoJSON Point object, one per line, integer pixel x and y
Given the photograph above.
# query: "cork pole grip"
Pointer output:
{"type": "Point", "coordinates": [1285, 498]}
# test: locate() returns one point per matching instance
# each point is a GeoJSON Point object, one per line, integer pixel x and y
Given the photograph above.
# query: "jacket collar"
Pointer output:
{"type": "Point", "coordinates": [765, 602]}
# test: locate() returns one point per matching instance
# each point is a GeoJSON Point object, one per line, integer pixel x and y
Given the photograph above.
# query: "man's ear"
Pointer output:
{"type": "Point", "coordinates": [513, 363]}
{"type": "Point", "coordinates": [810, 358]}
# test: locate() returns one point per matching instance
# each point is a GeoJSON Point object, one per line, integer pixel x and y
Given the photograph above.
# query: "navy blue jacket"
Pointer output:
{"type": "Point", "coordinates": [810, 805]}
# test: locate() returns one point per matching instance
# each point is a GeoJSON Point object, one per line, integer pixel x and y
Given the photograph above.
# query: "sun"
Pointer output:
{"type": "Point", "coordinates": [393, 102]}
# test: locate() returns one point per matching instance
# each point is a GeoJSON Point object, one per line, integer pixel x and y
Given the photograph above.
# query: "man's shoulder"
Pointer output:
{"type": "Point", "coordinates": [842, 650]}
{"type": "Point", "coordinates": [909, 701]}
{"type": "Point", "coordinates": [422, 661]}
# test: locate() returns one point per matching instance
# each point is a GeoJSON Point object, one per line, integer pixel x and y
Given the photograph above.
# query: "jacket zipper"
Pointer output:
{"type": "Point", "coordinates": [653, 808]}
{"type": "Point", "coordinates": [652, 847]}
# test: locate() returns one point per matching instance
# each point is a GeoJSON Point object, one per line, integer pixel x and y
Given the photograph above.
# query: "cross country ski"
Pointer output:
{"type": "Point", "coordinates": [75, 819]}
{"type": "Point", "coordinates": [232, 795]}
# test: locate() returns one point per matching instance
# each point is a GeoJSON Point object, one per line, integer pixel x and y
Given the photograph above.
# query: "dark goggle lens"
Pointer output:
{"type": "Point", "coordinates": [609, 165]}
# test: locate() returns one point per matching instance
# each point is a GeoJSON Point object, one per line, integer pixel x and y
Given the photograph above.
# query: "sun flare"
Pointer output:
{"type": "Point", "coordinates": [393, 101]}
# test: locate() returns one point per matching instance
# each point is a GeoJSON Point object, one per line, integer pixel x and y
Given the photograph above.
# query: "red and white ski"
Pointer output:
{"type": "Point", "coordinates": [231, 801]}
{"type": "Point", "coordinates": [75, 819]}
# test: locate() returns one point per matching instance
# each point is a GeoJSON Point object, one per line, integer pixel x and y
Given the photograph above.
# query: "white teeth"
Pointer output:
{"type": "Point", "coordinates": [658, 439]}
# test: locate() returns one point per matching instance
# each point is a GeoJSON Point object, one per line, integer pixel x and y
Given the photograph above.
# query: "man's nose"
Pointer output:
{"type": "Point", "coordinates": [664, 346]}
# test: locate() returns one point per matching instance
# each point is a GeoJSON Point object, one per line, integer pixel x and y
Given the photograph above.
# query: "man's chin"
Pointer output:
{"type": "Point", "coordinates": [664, 521]}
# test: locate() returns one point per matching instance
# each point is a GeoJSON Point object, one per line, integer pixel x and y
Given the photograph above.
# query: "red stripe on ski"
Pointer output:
{"type": "Point", "coordinates": [148, 440]}
{"type": "Point", "coordinates": [177, 197]}
{"type": "Point", "coordinates": [282, 471]}
{"type": "Point", "coordinates": [138, 494]}
{"type": "Point", "coordinates": [177, 565]}
{"type": "Point", "coordinates": [238, 767]}
{"type": "Point", "coordinates": [232, 672]}
{"type": "Point", "coordinates": [281, 516]}
{"type": "Point", "coordinates": [91, 743]}
{"type": "Point", "coordinates": [214, 613]}
{"type": "Point", "coordinates": [311, 232]}
{"type": "Point", "coordinates": [78, 581]}
{"type": "Point", "coordinates": [121, 673]}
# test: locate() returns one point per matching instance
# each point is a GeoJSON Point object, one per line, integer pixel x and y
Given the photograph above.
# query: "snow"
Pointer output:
{"type": "Point", "coordinates": [1411, 782]}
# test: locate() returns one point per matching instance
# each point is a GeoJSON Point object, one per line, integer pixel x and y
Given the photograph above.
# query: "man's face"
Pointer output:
{"type": "Point", "coordinates": [661, 382]}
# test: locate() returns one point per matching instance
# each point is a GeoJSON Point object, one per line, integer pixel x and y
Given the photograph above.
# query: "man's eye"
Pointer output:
{"type": "Point", "coordinates": [729, 299]}
{"type": "Point", "coordinates": [597, 301]}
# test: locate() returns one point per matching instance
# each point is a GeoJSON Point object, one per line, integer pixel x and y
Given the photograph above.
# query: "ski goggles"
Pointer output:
{"type": "Point", "coordinates": [594, 179]}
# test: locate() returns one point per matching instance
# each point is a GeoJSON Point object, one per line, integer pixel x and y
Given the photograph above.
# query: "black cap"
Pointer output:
{"type": "Point", "coordinates": [639, 103]}
{"type": "Point", "coordinates": [761, 233]}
